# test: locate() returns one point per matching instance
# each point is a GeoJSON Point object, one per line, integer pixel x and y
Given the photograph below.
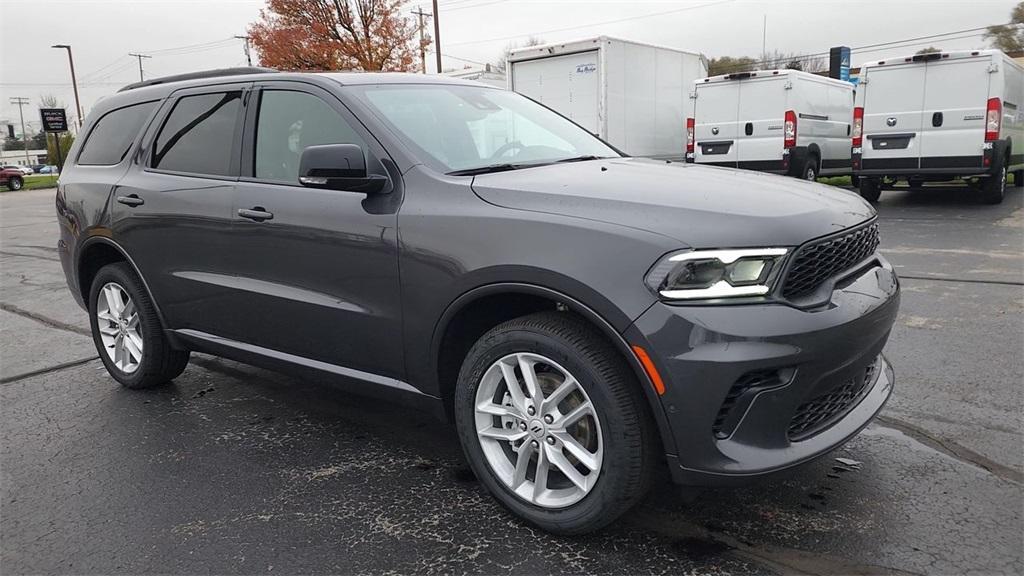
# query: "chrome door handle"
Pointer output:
{"type": "Point", "coordinates": [131, 200]}
{"type": "Point", "coordinates": [258, 213]}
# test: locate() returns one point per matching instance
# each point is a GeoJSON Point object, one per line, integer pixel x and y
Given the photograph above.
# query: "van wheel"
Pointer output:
{"type": "Point", "coordinates": [552, 422]}
{"type": "Point", "coordinates": [870, 189]}
{"type": "Point", "coordinates": [993, 189]}
{"type": "Point", "coordinates": [127, 331]}
{"type": "Point", "coordinates": [15, 183]}
{"type": "Point", "coordinates": [1018, 178]}
{"type": "Point", "coordinates": [810, 170]}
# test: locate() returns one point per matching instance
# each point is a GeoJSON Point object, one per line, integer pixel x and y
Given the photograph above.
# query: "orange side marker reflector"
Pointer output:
{"type": "Point", "coordinates": [652, 372]}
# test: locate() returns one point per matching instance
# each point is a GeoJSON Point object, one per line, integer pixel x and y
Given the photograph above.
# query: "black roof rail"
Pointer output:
{"type": "Point", "coordinates": [198, 75]}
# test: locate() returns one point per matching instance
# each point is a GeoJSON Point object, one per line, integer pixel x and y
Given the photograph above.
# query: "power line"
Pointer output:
{"type": "Point", "coordinates": [591, 25]}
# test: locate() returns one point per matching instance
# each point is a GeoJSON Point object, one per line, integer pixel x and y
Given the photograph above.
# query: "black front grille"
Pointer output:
{"type": "Point", "coordinates": [820, 412]}
{"type": "Point", "coordinates": [724, 425]}
{"type": "Point", "coordinates": [816, 263]}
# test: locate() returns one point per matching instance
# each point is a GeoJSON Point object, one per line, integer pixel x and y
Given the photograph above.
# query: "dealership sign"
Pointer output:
{"type": "Point", "coordinates": [54, 119]}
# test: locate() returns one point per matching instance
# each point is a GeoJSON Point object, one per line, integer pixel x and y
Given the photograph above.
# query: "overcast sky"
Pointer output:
{"type": "Point", "coordinates": [188, 35]}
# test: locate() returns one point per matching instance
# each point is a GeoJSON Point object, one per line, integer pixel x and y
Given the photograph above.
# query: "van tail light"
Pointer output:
{"type": "Point", "coordinates": [790, 130]}
{"type": "Point", "coordinates": [858, 127]}
{"type": "Point", "coordinates": [993, 119]}
{"type": "Point", "coordinates": [689, 135]}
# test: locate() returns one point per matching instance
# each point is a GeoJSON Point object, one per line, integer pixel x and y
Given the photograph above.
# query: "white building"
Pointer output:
{"type": "Point", "coordinates": [16, 157]}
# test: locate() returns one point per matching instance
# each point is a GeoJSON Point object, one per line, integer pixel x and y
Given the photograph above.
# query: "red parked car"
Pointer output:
{"type": "Point", "coordinates": [12, 178]}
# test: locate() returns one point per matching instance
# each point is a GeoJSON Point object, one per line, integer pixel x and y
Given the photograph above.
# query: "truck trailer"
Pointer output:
{"type": "Point", "coordinates": [634, 96]}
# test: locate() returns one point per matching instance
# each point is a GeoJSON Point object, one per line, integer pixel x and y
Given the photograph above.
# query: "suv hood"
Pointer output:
{"type": "Point", "coordinates": [701, 206]}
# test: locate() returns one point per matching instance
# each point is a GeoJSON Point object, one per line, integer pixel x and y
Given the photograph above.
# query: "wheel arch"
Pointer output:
{"type": "Point", "coordinates": [98, 251]}
{"type": "Point", "coordinates": [447, 354]}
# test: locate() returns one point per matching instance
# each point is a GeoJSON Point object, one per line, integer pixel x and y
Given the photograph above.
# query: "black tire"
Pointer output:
{"type": "Point", "coordinates": [915, 184]}
{"type": "Point", "coordinates": [870, 189]}
{"type": "Point", "coordinates": [628, 435]}
{"type": "Point", "coordinates": [855, 181]}
{"type": "Point", "coordinates": [809, 171]}
{"type": "Point", "coordinates": [1018, 178]}
{"type": "Point", "coordinates": [160, 363]}
{"type": "Point", "coordinates": [993, 189]}
{"type": "Point", "coordinates": [15, 183]}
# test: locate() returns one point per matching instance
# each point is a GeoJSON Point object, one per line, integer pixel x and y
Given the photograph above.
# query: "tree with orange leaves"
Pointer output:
{"type": "Point", "coordinates": [365, 35]}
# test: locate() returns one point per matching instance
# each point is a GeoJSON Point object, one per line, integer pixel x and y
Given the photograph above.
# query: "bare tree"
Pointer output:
{"type": "Point", "coordinates": [500, 63]}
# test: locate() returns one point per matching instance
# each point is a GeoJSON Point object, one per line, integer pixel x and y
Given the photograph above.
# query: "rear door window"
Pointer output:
{"type": "Point", "coordinates": [199, 135]}
{"type": "Point", "coordinates": [113, 135]}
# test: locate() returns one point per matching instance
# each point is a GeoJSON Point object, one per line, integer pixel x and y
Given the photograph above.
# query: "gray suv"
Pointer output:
{"type": "Point", "coordinates": [582, 317]}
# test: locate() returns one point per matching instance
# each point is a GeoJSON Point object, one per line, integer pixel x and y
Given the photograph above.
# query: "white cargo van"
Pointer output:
{"type": "Point", "coordinates": [634, 96]}
{"type": "Point", "coordinates": [934, 117]}
{"type": "Point", "coordinates": [781, 121]}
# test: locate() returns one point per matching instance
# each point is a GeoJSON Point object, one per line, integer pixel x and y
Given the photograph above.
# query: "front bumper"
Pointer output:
{"type": "Point", "coordinates": [706, 353]}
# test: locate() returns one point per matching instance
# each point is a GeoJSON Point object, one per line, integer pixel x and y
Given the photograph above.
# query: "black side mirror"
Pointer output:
{"type": "Point", "coordinates": [338, 167]}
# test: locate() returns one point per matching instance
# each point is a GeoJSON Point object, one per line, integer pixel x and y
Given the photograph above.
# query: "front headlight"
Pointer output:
{"type": "Point", "coordinates": [707, 274]}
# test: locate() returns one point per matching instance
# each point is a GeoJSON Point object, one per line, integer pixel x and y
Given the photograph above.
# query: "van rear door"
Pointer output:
{"type": "Point", "coordinates": [716, 112]}
{"type": "Point", "coordinates": [893, 119]}
{"type": "Point", "coordinates": [761, 122]}
{"type": "Point", "coordinates": [955, 97]}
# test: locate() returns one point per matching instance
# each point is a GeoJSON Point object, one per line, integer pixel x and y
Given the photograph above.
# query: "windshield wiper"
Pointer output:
{"type": "Point", "coordinates": [484, 169]}
{"type": "Point", "coordinates": [581, 158]}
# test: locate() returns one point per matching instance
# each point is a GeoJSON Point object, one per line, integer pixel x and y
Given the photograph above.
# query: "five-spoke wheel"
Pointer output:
{"type": "Point", "coordinates": [119, 327]}
{"type": "Point", "coordinates": [538, 430]}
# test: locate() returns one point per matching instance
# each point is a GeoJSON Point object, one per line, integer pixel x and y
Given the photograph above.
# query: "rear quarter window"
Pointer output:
{"type": "Point", "coordinates": [112, 137]}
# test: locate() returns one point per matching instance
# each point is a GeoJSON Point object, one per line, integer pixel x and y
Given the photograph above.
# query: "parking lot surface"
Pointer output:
{"type": "Point", "coordinates": [233, 469]}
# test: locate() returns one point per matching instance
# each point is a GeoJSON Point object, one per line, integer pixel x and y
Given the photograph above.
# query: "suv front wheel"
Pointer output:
{"type": "Point", "coordinates": [127, 331]}
{"type": "Point", "coordinates": [552, 422]}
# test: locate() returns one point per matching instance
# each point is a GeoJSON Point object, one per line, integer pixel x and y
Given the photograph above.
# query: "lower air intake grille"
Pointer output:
{"type": "Point", "coordinates": [724, 425]}
{"type": "Point", "coordinates": [820, 412]}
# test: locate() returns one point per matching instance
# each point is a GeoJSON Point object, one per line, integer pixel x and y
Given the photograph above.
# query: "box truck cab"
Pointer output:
{"type": "Point", "coordinates": [781, 121]}
{"type": "Point", "coordinates": [633, 96]}
{"type": "Point", "coordinates": [936, 117]}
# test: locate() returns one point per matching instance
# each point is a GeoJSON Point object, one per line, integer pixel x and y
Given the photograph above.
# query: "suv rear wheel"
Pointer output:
{"type": "Point", "coordinates": [552, 422]}
{"type": "Point", "coordinates": [127, 331]}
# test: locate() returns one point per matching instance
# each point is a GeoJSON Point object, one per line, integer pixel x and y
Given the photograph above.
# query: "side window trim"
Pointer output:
{"type": "Point", "coordinates": [375, 151]}
{"type": "Point", "coordinates": [171, 101]}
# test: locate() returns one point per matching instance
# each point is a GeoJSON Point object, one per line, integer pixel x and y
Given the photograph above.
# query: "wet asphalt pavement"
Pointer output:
{"type": "Point", "coordinates": [233, 469]}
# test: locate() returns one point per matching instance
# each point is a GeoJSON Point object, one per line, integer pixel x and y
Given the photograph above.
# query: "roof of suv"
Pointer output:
{"type": "Point", "coordinates": [159, 88]}
{"type": "Point", "coordinates": [349, 78]}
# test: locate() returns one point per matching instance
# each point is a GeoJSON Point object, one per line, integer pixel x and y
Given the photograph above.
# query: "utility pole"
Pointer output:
{"type": "Point", "coordinates": [437, 37]}
{"type": "Point", "coordinates": [20, 101]}
{"type": "Point", "coordinates": [74, 83]}
{"type": "Point", "coordinates": [423, 51]}
{"type": "Point", "coordinates": [248, 57]}
{"type": "Point", "coordinates": [764, 38]}
{"type": "Point", "coordinates": [140, 57]}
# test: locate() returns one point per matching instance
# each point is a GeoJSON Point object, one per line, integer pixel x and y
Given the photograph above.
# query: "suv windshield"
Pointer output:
{"type": "Point", "coordinates": [463, 129]}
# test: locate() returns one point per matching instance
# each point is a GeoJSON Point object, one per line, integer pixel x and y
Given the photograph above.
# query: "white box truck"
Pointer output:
{"type": "Point", "coordinates": [781, 121]}
{"type": "Point", "coordinates": [936, 117]}
{"type": "Point", "coordinates": [634, 96]}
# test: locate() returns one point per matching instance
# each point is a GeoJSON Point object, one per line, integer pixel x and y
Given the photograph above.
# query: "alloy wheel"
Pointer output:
{"type": "Point", "coordinates": [118, 323]}
{"type": "Point", "coordinates": [538, 429]}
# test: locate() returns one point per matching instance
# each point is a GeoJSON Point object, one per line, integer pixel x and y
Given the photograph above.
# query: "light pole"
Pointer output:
{"type": "Point", "coordinates": [74, 83]}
